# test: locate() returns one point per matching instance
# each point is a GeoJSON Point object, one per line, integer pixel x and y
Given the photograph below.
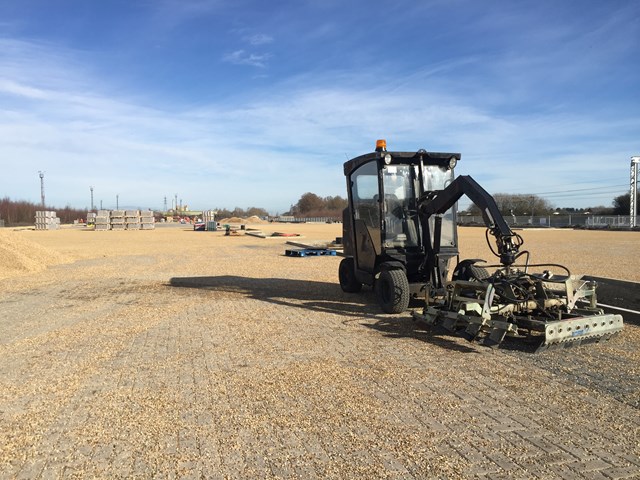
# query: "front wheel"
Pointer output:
{"type": "Point", "coordinates": [347, 275]}
{"type": "Point", "coordinates": [392, 290]}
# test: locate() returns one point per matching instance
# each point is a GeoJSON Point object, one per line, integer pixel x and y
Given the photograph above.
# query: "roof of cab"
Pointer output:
{"type": "Point", "coordinates": [429, 158]}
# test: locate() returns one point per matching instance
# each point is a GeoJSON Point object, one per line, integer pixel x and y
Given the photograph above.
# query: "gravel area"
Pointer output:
{"type": "Point", "coordinates": [173, 353]}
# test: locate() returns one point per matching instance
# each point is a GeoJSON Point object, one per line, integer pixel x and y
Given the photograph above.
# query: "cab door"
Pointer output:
{"type": "Point", "coordinates": [365, 194]}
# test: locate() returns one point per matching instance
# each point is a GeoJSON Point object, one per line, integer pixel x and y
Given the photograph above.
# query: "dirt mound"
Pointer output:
{"type": "Point", "coordinates": [232, 220]}
{"type": "Point", "coordinates": [252, 219]}
{"type": "Point", "coordinates": [19, 255]}
{"type": "Point", "coordinates": [255, 220]}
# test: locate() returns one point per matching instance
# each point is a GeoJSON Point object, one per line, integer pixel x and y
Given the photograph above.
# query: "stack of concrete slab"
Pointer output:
{"type": "Point", "coordinates": [47, 220]}
{"type": "Point", "coordinates": [117, 220]}
{"type": "Point", "coordinates": [147, 220]}
{"type": "Point", "coordinates": [209, 219]}
{"type": "Point", "coordinates": [91, 218]}
{"type": "Point", "coordinates": [124, 220]}
{"type": "Point", "coordinates": [103, 220]}
{"type": "Point", "coordinates": [132, 219]}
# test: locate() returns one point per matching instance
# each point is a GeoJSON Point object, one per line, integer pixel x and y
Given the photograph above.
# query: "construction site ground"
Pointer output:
{"type": "Point", "coordinates": [179, 354]}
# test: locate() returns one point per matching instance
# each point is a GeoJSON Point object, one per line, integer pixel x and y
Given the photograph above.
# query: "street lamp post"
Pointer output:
{"type": "Point", "coordinates": [41, 175]}
{"type": "Point", "coordinates": [633, 198]}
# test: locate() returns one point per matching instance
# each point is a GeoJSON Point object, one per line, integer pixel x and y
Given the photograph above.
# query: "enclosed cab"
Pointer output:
{"type": "Point", "coordinates": [385, 242]}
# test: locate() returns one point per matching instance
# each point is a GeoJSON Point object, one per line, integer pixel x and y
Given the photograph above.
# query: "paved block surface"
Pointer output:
{"type": "Point", "coordinates": [249, 364]}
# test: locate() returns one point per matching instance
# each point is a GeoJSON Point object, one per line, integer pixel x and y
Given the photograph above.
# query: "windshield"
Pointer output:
{"type": "Point", "coordinates": [400, 215]}
{"type": "Point", "coordinates": [438, 178]}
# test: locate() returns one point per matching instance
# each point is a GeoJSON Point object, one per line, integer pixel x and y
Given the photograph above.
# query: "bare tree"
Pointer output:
{"type": "Point", "coordinates": [518, 204]}
{"type": "Point", "coordinates": [310, 202]}
{"type": "Point", "coordinates": [24, 213]}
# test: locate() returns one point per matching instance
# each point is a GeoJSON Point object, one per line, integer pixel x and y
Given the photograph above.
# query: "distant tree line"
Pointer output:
{"type": "Point", "coordinates": [517, 204]}
{"type": "Point", "coordinates": [534, 205]}
{"type": "Point", "coordinates": [16, 213]}
{"type": "Point", "coordinates": [312, 205]}
{"type": "Point", "coordinates": [241, 213]}
{"type": "Point", "coordinates": [309, 205]}
{"type": "Point", "coordinates": [622, 204]}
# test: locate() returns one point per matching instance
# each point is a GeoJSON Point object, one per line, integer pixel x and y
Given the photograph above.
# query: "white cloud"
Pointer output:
{"type": "Point", "coordinates": [258, 39]}
{"type": "Point", "coordinates": [241, 57]}
{"type": "Point", "coordinates": [268, 151]}
{"type": "Point", "coordinates": [14, 88]}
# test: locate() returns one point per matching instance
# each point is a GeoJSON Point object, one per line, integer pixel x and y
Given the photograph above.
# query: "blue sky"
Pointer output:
{"type": "Point", "coordinates": [253, 103]}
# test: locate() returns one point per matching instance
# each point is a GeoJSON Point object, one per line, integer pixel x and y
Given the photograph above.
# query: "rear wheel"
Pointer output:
{"type": "Point", "coordinates": [469, 271]}
{"type": "Point", "coordinates": [392, 290]}
{"type": "Point", "coordinates": [346, 273]}
{"type": "Point", "coordinates": [478, 273]}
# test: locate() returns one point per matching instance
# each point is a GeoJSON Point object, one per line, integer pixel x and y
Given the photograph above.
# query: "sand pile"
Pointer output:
{"type": "Point", "coordinates": [232, 220]}
{"type": "Point", "coordinates": [19, 255]}
{"type": "Point", "coordinates": [253, 220]}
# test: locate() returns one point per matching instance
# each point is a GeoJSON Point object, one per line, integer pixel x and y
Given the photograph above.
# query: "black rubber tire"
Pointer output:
{"type": "Point", "coordinates": [392, 291]}
{"type": "Point", "coordinates": [346, 273]}
{"type": "Point", "coordinates": [468, 270]}
{"type": "Point", "coordinates": [478, 273]}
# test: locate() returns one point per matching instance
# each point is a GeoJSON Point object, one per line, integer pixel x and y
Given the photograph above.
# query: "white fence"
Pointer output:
{"type": "Point", "coordinates": [617, 221]}
{"type": "Point", "coordinates": [557, 221]}
{"type": "Point", "coordinates": [541, 221]}
{"type": "Point", "coordinates": [291, 219]}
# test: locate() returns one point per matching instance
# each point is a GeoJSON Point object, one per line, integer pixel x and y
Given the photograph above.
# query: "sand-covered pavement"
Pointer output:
{"type": "Point", "coordinates": [172, 353]}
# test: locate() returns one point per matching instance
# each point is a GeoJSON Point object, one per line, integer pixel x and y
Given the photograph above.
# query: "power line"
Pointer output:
{"type": "Point", "coordinates": [563, 191]}
{"type": "Point", "coordinates": [595, 197]}
{"type": "Point", "coordinates": [582, 189]}
{"type": "Point", "coordinates": [578, 193]}
{"type": "Point", "coordinates": [573, 195]}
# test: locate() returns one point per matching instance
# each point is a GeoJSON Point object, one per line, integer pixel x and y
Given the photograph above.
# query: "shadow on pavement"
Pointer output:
{"type": "Point", "coordinates": [311, 295]}
{"type": "Point", "coordinates": [396, 327]}
{"type": "Point", "coordinates": [324, 297]}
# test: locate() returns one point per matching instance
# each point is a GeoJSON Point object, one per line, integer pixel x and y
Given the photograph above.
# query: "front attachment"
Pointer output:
{"type": "Point", "coordinates": [537, 309]}
{"type": "Point", "coordinates": [570, 333]}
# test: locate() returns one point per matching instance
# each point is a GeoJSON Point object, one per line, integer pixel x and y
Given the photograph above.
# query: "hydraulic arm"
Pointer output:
{"type": "Point", "coordinates": [509, 301]}
{"type": "Point", "coordinates": [438, 202]}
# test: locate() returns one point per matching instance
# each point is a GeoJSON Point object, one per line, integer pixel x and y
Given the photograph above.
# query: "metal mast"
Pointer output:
{"type": "Point", "coordinates": [41, 175]}
{"type": "Point", "coordinates": [633, 198]}
{"type": "Point", "coordinates": [91, 188]}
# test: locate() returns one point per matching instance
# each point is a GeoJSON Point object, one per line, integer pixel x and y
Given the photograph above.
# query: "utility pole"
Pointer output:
{"type": "Point", "coordinates": [91, 188]}
{"type": "Point", "coordinates": [533, 204]}
{"type": "Point", "coordinates": [633, 198]}
{"type": "Point", "coordinates": [176, 204]}
{"type": "Point", "coordinates": [165, 203]}
{"type": "Point", "coordinates": [41, 174]}
{"type": "Point", "coordinates": [100, 204]}
{"type": "Point", "coordinates": [117, 205]}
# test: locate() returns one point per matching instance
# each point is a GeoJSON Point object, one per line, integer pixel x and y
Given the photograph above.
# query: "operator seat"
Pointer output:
{"type": "Point", "coordinates": [393, 209]}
